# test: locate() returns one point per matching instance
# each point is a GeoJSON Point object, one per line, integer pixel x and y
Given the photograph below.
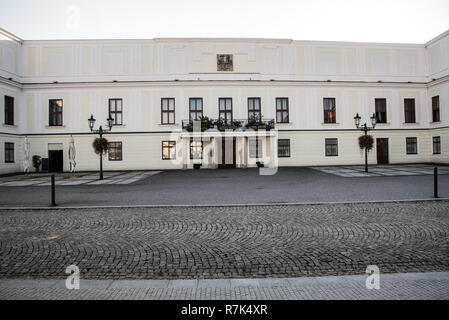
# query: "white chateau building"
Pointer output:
{"type": "Point", "coordinates": [303, 96]}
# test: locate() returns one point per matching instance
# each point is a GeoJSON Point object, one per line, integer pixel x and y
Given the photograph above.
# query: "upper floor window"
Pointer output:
{"type": "Point", "coordinates": [9, 110]}
{"type": "Point", "coordinates": [329, 110]}
{"type": "Point", "coordinates": [409, 111]}
{"type": "Point", "coordinates": [331, 147]}
{"type": "Point", "coordinates": [254, 111]}
{"type": "Point", "coordinates": [196, 149]}
{"type": "Point", "coordinates": [167, 111]}
{"type": "Point", "coordinates": [116, 111]}
{"type": "Point", "coordinates": [9, 152]}
{"type": "Point", "coordinates": [283, 148]}
{"type": "Point", "coordinates": [381, 110]}
{"type": "Point", "coordinates": [225, 109]}
{"type": "Point", "coordinates": [168, 150]}
{"type": "Point", "coordinates": [195, 108]}
{"type": "Point", "coordinates": [55, 112]}
{"type": "Point", "coordinates": [436, 108]}
{"type": "Point", "coordinates": [436, 145]}
{"type": "Point", "coordinates": [412, 145]}
{"type": "Point", "coordinates": [282, 110]}
{"type": "Point", "coordinates": [115, 151]}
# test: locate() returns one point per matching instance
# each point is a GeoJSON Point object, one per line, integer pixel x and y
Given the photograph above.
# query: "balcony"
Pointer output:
{"type": "Point", "coordinates": [235, 124]}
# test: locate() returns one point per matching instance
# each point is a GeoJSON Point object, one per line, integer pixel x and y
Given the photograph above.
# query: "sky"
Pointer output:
{"type": "Point", "coordinates": [399, 21]}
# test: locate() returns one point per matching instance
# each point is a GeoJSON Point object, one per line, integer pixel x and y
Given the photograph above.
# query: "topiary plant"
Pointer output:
{"type": "Point", "coordinates": [37, 160]}
{"type": "Point", "coordinates": [100, 146]}
{"type": "Point", "coordinates": [366, 142]}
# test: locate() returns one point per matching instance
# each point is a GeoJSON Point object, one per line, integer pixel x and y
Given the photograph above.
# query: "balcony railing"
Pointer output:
{"type": "Point", "coordinates": [235, 124]}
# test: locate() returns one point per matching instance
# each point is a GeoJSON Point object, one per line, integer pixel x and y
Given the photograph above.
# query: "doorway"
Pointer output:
{"type": "Point", "coordinates": [55, 160]}
{"type": "Point", "coordinates": [382, 150]}
{"type": "Point", "coordinates": [226, 153]}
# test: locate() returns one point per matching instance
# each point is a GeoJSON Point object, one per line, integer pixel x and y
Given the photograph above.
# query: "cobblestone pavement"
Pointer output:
{"type": "Point", "coordinates": [225, 242]}
{"type": "Point", "coordinates": [432, 285]}
{"type": "Point", "coordinates": [75, 179]}
{"type": "Point", "coordinates": [383, 170]}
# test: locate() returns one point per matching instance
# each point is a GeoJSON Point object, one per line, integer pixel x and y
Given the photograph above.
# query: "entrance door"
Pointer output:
{"type": "Point", "coordinates": [382, 150]}
{"type": "Point", "coordinates": [227, 153]}
{"type": "Point", "coordinates": [55, 160]}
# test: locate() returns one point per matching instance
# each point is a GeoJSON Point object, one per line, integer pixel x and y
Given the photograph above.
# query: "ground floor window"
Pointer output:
{"type": "Point", "coordinates": [331, 147]}
{"type": "Point", "coordinates": [436, 145]}
{"type": "Point", "coordinates": [9, 152]}
{"type": "Point", "coordinates": [412, 145]}
{"type": "Point", "coordinates": [284, 148]}
{"type": "Point", "coordinates": [255, 148]}
{"type": "Point", "coordinates": [115, 151]}
{"type": "Point", "coordinates": [168, 150]}
{"type": "Point", "coordinates": [196, 149]}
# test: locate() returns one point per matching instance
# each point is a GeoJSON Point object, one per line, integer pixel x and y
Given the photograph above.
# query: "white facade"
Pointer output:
{"type": "Point", "coordinates": [85, 74]}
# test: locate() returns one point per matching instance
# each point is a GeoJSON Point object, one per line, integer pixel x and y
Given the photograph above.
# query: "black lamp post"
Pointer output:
{"type": "Point", "coordinates": [100, 131]}
{"type": "Point", "coordinates": [365, 129]}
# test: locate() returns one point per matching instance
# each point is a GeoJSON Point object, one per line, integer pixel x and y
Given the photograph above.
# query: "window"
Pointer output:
{"type": "Point", "coordinates": [381, 110]}
{"type": "Point", "coordinates": [412, 145]}
{"type": "Point", "coordinates": [436, 108]}
{"type": "Point", "coordinates": [168, 150]}
{"type": "Point", "coordinates": [225, 109]}
{"type": "Point", "coordinates": [283, 148]}
{"type": "Point", "coordinates": [167, 111]}
{"type": "Point", "coordinates": [282, 110]}
{"type": "Point", "coordinates": [254, 109]}
{"type": "Point", "coordinates": [9, 152]}
{"type": "Point", "coordinates": [329, 110]}
{"type": "Point", "coordinates": [331, 147]}
{"type": "Point", "coordinates": [436, 145]}
{"type": "Point", "coordinates": [409, 109]}
{"type": "Point", "coordinates": [115, 151]}
{"type": "Point", "coordinates": [9, 110]}
{"type": "Point", "coordinates": [55, 112]}
{"type": "Point", "coordinates": [255, 147]}
{"type": "Point", "coordinates": [196, 149]}
{"type": "Point", "coordinates": [115, 110]}
{"type": "Point", "coordinates": [195, 108]}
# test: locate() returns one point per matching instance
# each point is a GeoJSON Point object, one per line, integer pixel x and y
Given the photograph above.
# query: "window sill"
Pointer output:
{"type": "Point", "coordinates": [410, 123]}
{"type": "Point", "coordinates": [168, 124]}
{"type": "Point", "coordinates": [9, 125]}
{"type": "Point", "coordinates": [284, 123]}
{"type": "Point", "coordinates": [330, 124]}
{"type": "Point", "coordinates": [383, 123]}
{"type": "Point", "coordinates": [436, 122]}
{"type": "Point", "coordinates": [54, 127]}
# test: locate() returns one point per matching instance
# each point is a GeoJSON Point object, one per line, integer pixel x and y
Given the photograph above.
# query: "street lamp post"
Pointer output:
{"type": "Point", "coordinates": [365, 129]}
{"type": "Point", "coordinates": [100, 131]}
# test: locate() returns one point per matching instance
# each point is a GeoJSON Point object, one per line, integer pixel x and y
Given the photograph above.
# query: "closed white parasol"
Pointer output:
{"type": "Point", "coordinates": [26, 155]}
{"type": "Point", "coordinates": [72, 155]}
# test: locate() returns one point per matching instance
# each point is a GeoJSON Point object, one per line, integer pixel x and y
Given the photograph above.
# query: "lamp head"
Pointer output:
{"type": "Point", "coordinates": [91, 122]}
{"type": "Point", "coordinates": [357, 120]}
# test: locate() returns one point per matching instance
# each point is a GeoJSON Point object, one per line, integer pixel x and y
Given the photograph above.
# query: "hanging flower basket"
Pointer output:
{"type": "Point", "coordinates": [100, 146]}
{"type": "Point", "coordinates": [366, 142]}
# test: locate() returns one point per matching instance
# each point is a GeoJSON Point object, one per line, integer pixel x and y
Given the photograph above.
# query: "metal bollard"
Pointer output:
{"type": "Point", "coordinates": [53, 202]}
{"type": "Point", "coordinates": [435, 182]}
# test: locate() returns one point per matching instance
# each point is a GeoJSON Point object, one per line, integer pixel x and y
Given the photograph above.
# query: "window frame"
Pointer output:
{"type": "Point", "coordinates": [253, 110]}
{"type": "Point", "coordinates": [196, 110]}
{"type": "Point", "coordinates": [378, 101]}
{"type": "Point", "coordinates": [114, 113]}
{"type": "Point", "coordinates": [333, 110]}
{"type": "Point", "coordinates": [258, 148]}
{"type": "Point", "coordinates": [9, 110]}
{"type": "Point", "coordinates": [288, 147]}
{"type": "Point", "coordinates": [168, 111]}
{"type": "Point", "coordinates": [436, 150]}
{"type": "Point", "coordinates": [408, 141]}
{"type": "Point", "coordinates": [226, 111]}
{"type": "Point", "coordinates": [436, 117]}
{"type": "Point", "coordinates": [52, 115]}
{"type": "Point", "coordinates": [8, 150]}
{"type": "Point", "coordinates": [281, 110]}
{"type": "Point", "coordinates": [191, 147]}
{"type": "Point", "coordinates": [412, 112]}
{"type": "Point", "coordinates": [169, 147]}
{"type": "Point", "coordinates": [327, 142]}
{"type": "Point", "coordinates": [116, 148]}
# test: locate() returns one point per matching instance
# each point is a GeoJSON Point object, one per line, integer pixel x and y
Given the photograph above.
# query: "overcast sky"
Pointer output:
{"type": "Point", "coordinates": [403, 21]}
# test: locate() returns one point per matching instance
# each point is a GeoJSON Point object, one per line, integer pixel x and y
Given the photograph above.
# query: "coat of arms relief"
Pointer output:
{"type": "Point", "coordinates": [225, 62]}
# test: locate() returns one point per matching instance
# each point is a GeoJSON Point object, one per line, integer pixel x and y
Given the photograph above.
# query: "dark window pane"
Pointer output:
{"type": "Point", "coordinates": [436, 108]}
{"type": "Point", "coordinates": [412, 145]}
{"type": "Point", "coordinates": [284, 148]}
{"type": "Point", "coordinates": [409, 109]}
{"type": "Point", "coordinates": [331, 147]}
{"type": "Point", "coordinates": [436, 145]}
{"type": "Point", "coordinates": [9, 110]}
{"type": "Point", "coordinates": [167, 111]}
{"type": "Point", "coordinates": [381, 110]}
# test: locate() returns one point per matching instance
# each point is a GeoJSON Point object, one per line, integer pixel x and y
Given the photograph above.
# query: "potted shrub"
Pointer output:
{"type": "Point", "coordinates": [206, 123]}
{"type": "Point", "coordinates": [37, 161]}
{"type": "Point", "coordinates": [100, 146]}
{"type": "Point", "coordinates": [236, 124]}
{"type": "Point", "coordinates": [260, 164]}
{"type": "Point", "coordinates": [366, 142]}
